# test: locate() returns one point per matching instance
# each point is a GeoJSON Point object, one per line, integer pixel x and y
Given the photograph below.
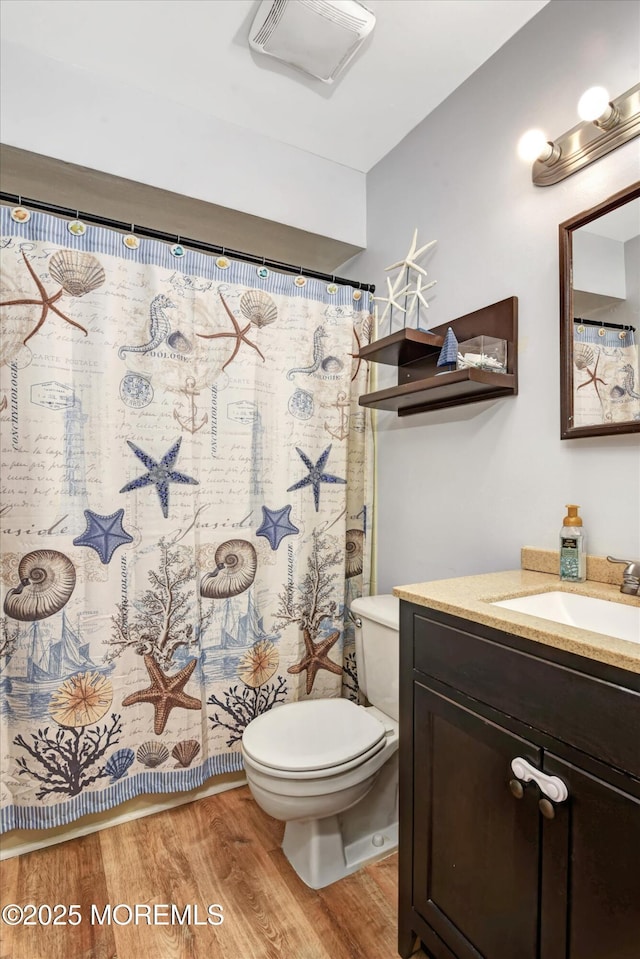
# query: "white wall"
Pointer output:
{"type": "Point", "coordinates": [461, 490]}
{"type": "Point", "coordinates": [598, 264]}
{"type": "Point", "coordinates": [80, 116]}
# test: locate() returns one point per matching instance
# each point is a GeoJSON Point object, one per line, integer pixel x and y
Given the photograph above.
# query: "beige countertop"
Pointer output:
{"type": "Point", "coordinates": [470, 597]}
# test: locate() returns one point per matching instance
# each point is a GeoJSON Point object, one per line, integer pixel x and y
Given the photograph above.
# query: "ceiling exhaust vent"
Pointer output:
{"type": "Point", "coordinates": [318, 37]}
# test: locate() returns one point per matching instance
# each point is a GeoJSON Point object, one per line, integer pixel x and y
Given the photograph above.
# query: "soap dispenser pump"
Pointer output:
{"type": "Point", "coordinates": [573, 556]}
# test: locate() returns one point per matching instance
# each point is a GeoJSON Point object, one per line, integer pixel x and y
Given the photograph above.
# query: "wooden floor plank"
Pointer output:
{"type": "Point", "coordinates": [69, 874]}
{"type": "Point", "coordinates": [218, 850]}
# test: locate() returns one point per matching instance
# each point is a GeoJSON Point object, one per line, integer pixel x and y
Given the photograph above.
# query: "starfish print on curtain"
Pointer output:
{"type": "Point", "coordinates": [160, 474]}
{"type": "Point", "coordinates": [317, 657]}
{"type": "Point", "coordinates": [239, 335]}
{"type": "Point", "coordinates": [165, 693]}
{"type": "Point", "coordinates": [316, 475]}
{"type": "Point", "coordinates": [104, 534]}
{"type": "Point", "coordinates": [276, 524]}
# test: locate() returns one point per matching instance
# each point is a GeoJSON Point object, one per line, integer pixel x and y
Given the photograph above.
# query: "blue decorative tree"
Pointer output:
{"type": "Point", "coordinates": [449, 353]}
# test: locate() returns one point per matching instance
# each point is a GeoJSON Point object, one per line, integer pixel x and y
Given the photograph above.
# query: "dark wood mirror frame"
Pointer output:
{"type": "Point", "coordinates": [567, 430]}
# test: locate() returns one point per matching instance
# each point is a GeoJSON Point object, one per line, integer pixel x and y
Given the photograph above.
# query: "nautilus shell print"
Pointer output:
{"type": "Point", "coordinates": [258, 307]}
{"type": "Point", "coordinates": [47, 580]}
{"type": "Point", "coordinates": [77, 273]}
{"type": "Point", "coordinates": [236, 564]}
{"type": "Point", "coordinates": [354, 551]}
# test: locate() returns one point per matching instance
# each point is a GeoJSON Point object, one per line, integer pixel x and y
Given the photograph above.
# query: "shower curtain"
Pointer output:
{"type": "Point", "coordinates": [606, 384]}
{"type": "Point", "coordinates": [185, 509]}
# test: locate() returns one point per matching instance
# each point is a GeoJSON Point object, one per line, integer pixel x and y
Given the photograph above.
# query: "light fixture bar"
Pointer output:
{"type": "Point", "coordinates": [591, 139]}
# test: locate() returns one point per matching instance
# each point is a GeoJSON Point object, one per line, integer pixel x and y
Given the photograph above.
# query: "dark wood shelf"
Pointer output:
{"type": "Point", "coordinates": [402, 347]}
{"type": "Point", "coordinates": [415, 353]}
{"type": "Point", "coordinates": [443, 390]}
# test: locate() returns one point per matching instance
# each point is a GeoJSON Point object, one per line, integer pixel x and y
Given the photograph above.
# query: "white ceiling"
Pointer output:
{"type": "Point", "coordinates": [194, 52]}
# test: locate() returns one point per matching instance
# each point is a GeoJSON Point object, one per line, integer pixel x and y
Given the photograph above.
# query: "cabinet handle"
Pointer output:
{"type": "Point", "coordinates": [547, 809]}
{"type": "Point", "coordinates": [551, 786]}
{"type": "Point", "coordinates": [516, 787]}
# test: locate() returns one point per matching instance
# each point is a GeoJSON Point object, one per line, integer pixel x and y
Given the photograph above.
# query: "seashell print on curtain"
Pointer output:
{"type": "Point", "coordinates": [184, 512]}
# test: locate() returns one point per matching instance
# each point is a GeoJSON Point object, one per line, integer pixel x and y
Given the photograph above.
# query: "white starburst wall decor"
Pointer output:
{"type": "Point", "coordinates": [408, 283]}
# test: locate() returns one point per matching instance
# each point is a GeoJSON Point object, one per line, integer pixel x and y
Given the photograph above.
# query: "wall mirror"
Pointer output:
{"type": "Point", "coordinates": [600, 318]}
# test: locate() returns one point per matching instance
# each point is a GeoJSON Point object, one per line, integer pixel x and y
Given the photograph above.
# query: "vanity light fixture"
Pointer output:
{"type": "Point", "coordinates": [606, 124]}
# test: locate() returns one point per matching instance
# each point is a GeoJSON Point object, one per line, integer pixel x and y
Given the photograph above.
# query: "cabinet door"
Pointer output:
{"type": "Point", "coordinates": [591, 880]}
{"type": "Point", "coordinates": [476, 846]}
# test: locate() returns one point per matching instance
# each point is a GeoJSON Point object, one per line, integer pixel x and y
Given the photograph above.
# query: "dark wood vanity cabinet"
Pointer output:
{"type": "Point", "coordinates": [489, 867]}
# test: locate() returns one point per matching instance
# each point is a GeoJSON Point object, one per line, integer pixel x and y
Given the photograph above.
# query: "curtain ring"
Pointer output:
{"type": "Point", "coordinates": [602, 331]}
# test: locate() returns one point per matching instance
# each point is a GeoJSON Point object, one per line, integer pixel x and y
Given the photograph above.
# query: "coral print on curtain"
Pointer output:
{"type": "Point", "coordinates": [184, 510]}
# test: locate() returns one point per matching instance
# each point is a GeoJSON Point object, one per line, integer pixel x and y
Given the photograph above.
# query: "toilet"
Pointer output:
{"type": "Point", "coordinates": [328, 768]}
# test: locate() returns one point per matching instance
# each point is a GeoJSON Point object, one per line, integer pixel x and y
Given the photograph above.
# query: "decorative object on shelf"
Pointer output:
{"type": "Point", "coordinates": [449, 353]}
{"type": "Point", "coordinates": [391, 301]}
{"type": "Point", "coordinates": [412, 256]}
{"type": "Point", "coordinates": [606, 124]}
{"type": "Point", "coordinates": [406, 267]}
{"type": "Point", "coordinates": [483, 353]}
{"type": "Point", "coordinates": [417, 294]}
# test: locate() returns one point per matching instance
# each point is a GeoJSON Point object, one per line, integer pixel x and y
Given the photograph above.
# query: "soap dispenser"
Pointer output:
{"type": "Point", "coordinates": [573, 556]}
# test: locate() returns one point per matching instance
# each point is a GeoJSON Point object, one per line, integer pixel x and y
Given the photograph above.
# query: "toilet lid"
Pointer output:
{"type": "Point", "coordinates": [314, 734]}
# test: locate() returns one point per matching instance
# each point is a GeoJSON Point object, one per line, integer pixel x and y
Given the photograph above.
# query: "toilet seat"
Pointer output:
{"type": "Point", "coordinates": [322, 737]}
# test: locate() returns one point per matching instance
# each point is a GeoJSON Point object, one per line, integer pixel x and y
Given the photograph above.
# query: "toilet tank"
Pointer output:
{"type": "Point", "coordinates": [378, 650]}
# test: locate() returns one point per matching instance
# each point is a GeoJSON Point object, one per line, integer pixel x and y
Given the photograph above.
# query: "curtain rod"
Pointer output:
{"type": "Point", "coordinates": [17, 200]}
{"type": "Point", "coordinates": [605, 326]}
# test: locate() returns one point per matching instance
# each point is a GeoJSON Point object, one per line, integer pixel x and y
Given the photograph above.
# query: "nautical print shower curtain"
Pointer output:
{"type": "Point", "coordinates": [184, 509]}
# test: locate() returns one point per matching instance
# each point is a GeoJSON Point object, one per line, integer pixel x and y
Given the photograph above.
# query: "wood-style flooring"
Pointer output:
{"type": "Point", "coordinates": [219, 850]}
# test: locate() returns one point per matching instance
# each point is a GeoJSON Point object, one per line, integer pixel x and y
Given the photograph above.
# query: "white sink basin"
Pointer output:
{"type": "Point", "coordinates": [585, 612]}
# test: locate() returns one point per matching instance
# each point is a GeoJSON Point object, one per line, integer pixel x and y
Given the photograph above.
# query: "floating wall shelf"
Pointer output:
{"type": "Point", "coordinates": [420, 386]}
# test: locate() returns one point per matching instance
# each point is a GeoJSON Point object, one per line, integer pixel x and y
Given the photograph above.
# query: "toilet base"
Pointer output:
{"type": "Point", "coordinates": [324, 850]}
{"type": "Point", "coordinates": [316, 851]}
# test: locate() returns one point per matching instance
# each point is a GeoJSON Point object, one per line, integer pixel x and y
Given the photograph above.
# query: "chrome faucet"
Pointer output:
{"type": "Point", "coordinates": [630, 576]}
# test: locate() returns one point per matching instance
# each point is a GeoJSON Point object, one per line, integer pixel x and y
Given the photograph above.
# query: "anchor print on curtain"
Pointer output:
{"type": "Point", "coordinates": [184, 510]}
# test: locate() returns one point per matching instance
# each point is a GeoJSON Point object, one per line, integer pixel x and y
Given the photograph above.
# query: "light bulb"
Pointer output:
{"type": "Point", "coordinates": [593, 103]}
{"type": "Point", "coordinates": [533, 145]}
